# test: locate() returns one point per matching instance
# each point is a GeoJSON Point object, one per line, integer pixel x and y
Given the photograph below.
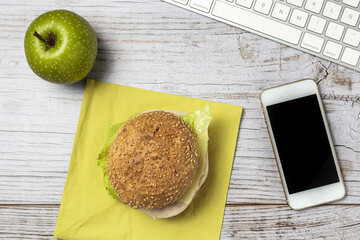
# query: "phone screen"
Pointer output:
{"type": "Point", "coordinates": [302, 143]}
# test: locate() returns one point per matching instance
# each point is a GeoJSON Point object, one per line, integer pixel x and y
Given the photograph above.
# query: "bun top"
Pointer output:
{"type": "Point", "coordinates": [152, 160]}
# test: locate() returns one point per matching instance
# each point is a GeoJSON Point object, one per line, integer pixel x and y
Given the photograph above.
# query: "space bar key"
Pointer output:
{"type": "Point", "coordinates": [256, 22]}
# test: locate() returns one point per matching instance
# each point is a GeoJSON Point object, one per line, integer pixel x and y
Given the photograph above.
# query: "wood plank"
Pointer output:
{"type": "Point", "coordinates": [37, 153]}
{"type": "Point", "coordinates": [28, 222]}
{"type": "Point", "coordinates": [240, 222]}
{"type": "Point", "coordinates": [35, 157]}
{"type": "Point", "coordinates": [255, 178]}
{"type": "Point", "coordinates": [217, 53]}
{"type": "Point", "coordinates": [280, 222]}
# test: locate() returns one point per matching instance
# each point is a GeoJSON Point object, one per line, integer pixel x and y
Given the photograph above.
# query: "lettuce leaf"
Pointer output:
{"type": "Point", "coordinates": [198, 120]}
{"type": "Point", "coordinates": [102, 158]}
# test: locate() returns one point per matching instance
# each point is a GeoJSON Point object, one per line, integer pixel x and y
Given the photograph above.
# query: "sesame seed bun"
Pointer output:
{"type": "Point", "coordinates": [153, 160]}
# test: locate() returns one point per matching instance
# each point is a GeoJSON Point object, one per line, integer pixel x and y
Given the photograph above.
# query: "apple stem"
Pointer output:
{"type": "Point", "coordinates": [50, 42]}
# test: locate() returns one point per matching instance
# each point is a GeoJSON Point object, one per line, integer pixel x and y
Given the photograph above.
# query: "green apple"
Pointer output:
{"type": "Point", "coordinates": [60, 46]}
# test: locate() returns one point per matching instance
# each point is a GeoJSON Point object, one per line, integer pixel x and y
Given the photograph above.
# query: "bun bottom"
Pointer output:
{"type": "Point", "coordinates": [177, 207]}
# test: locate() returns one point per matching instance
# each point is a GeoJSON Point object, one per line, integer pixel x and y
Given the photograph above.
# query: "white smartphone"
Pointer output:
{"type": "Point", "coordinates": [302, 144]}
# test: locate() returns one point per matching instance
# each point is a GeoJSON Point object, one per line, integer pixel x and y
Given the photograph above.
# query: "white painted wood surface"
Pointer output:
{"type": "Point", "coordinates": [154, 45]}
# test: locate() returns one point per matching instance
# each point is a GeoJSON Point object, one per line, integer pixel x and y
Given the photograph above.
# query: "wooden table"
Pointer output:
{"type": "Point", "coordinates": [153, 45]}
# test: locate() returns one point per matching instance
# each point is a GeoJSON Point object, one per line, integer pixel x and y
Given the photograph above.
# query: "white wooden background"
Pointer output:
{"type": "Point", "coordinates": [153, 45]}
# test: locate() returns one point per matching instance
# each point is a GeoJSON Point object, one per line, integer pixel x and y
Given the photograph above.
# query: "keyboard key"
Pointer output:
{"type": "Point", "coordinates": [244, 3]}
{"type": "Point", "coordinates": [181, 1]}
{"type": "Point", "coordinates": [256, 22]}
{"type": "Point", "coordinates": [350, 56]}
{"type": "Point", "coordinates": [298, 18]}
{"type": "Point", "coordinates": [332, 50]}
{"type": "Point", "coordinates": [314, 5]}
{"type": "Point", "coordinates": [312, 42]}
{"type": "Point", "coordinates": [334, 31]}
{"type": "Point", "coordinates": [297, 3]}
{"type": "Point", "coordinates": [352, 37]}
{"type": "Point", "coordinates": [263, 6]}
{"type": "Point", "coordinates": [353, 3]}
{"type": "Point", "coordinates": [316, 24]}
{"type": "Point", "coordinates": [202, 5]}
{"type": "Point", "coordinates": [280, 11]}
{"type": "Point", "coordinates": [349, 16]}
{"type": "Point", "coordinates": [332, 10]}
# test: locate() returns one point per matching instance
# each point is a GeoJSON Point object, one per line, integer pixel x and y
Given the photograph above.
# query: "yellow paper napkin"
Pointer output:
{"type": "Point", "coordinates": [88, 212]}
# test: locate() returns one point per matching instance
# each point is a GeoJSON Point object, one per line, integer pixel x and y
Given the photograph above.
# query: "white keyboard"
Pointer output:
{"type": "Point", "coordinates": [327, 29]}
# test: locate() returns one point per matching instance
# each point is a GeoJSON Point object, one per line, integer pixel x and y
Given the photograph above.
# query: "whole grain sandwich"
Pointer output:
{"type": "Point", "coordinates": [157, 161]}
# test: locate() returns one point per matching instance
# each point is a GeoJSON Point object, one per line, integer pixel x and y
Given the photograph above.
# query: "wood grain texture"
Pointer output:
{"type": "Point", "coordinates": [240, 222]}
{"type": "Point", "coordinates": [278, 222]}
{"type": "Point", "coordinates": [157, 46]}
{"type": "Point", "coordinates": [28, 221]}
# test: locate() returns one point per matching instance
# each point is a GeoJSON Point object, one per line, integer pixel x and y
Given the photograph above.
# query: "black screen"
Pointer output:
{"type": "Point", "coordinates": [302, 144]}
